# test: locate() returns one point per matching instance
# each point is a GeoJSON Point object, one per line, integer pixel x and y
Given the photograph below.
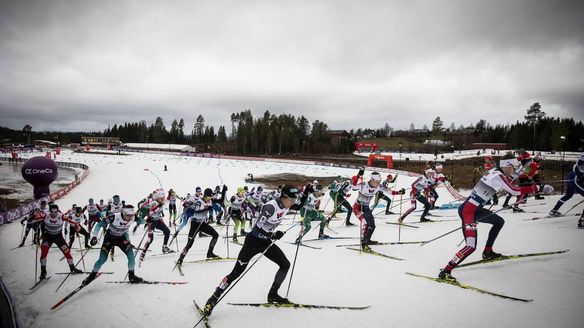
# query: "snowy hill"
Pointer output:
{"type": "Point", "coordinates": [328, 276]}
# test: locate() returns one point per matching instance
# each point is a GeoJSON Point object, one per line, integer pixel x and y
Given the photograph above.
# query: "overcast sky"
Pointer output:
{"type": "Point", "coordinates": [84, 65]}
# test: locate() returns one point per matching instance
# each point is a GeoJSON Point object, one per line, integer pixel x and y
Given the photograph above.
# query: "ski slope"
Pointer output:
{"type": "Point", "coordinates": [327, 276]}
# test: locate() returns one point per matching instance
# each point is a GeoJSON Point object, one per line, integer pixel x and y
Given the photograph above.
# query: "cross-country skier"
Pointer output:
{"type": "Point", "coordinates": [117, 226]}
{"type": "Point", "coordinates": [155, 221]}
{"type": "Point", "coordinates": [77, 216]}
{"type": "Point", "coordinates": [171, 198]}
{"type": "Point", "coordinates": [199, 223]}
{"type": "Point", "coordinates": [420, 186]}
{"type": "Point", "coordinates": [366, 191]}
{"type": "Point", "coordinates": [340, 200]}
{"type": "Point", "coordinates": [54, 234]}
{"type": "Point", "coordinates": [310, 213]}
{"type": "Point", "coordinates": [235, 211]}
{"type": "Point", "coordinates": [575, 184]}
{"type": "Point", "coordinates": [381, 195]}
{"type": "Point", "coordinates": [261, 240]}
{"type": "Point", "coordinates": [472, 211]}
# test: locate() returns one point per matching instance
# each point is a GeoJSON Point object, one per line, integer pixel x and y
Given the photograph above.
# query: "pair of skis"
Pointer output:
{"type": "Point", "coordinates": [64, 299]}
{"type": "Point", "coordinates": [205, 319]}
{"type": "Point", "coordinates": [483, 291]}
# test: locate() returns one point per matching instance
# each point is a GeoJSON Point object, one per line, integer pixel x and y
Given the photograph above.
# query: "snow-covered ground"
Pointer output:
{"type": "Point", "coordinates": [330, 276]}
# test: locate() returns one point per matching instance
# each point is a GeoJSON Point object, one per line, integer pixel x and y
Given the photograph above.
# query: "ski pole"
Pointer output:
{"type": "Point", "coordinates": [79, 240]}
{"type": "Point", "coordinates": [35, 261]}
{"type": "Point", "coordinates": [227, 234]}
{"type": "Point", "coordinates": [477, 221]}
{"type": "Point", "coordinates": [82, 256]}
{"type": "Point", "coordinates": [571, 208]}
{"type": "Point", "coordinates": [138, 249]}
{"type": "Point", "coordinates": [400, 213]}
{"type": "Point", "coordinates": [273, 242]}
{"type": "Point", "coordinates": [294, 263]}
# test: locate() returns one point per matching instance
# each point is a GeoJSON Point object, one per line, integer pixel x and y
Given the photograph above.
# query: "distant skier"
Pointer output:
{"type": "Point", "coordinates": [235, 211]}
{"type": "Point", "coordinates": [155, 221]}
{"type": "Point", "coordinates": [310, 213]}
{"type": "Point", "coordinates": [422, 185]}
{"type": "Point", "coordinates": [381, 195]}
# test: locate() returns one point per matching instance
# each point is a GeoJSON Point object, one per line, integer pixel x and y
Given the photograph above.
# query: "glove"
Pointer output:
{"type": "Point", "coordinates": [401, 191]}
{"type": "Point", "coordinates": [361, 173]}
{"type": "Point", "coordinates": [224, 188]}
{"type": "Point", "coordinates": [93, 241]}
{"type": "Point", "coordinates": [277, 235]}
{"type": "Point", "coordinates": [22, 222]}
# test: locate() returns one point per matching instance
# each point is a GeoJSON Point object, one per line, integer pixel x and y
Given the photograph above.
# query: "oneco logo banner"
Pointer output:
{"type": "Point", "coordinates": [40, 172]}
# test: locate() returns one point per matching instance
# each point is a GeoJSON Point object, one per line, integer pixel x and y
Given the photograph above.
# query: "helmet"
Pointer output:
{"type": "Point", "coordinates": [53, 208]}
{"type": "Point", "coordinates": [488, 158]}
{"type": "Point", "coordinates": [438, 167]}
{"type": "Point", "coordinates": [78, 209]}
{"type": "Point", "coordinates": [260, 189]}
{"type": "Point", "coordinates": [429, 173]}
{"type": "Point", "coordinates": [318, 188]}
{"type": "Point", "coordinates": [43, 202]}
{"type": "Point", "coordinates": [217, 188]}
{"type": "Point", "coordinates": [389, 177]}
{"type": "Point", "coordinates": [208, 192]}
{"type": "Point", "coordinates": [240, 190]}
{"type": "Point", "coordinates": [128, 210]}
{"type": "Point", "coordinates": [90, 200]}
{"type": "Point", "coordinates": [116, 198]}
{"type": "Point", "coordinates": [160, 193]}
{"type": "Point", "coordinates": [198, 189]}
{"type": "Point", "coordinates": [376, 176]}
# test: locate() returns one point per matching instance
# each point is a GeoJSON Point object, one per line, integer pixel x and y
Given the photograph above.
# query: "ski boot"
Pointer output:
{"type": "Point", "coordinates": [242, 232]}
{"type": "Point", "coordinates": [365, 247]}
{"type": "Point", "coordinates": [43, 272]}
{"type": "Point", "coordinates": [274, 298]}
{"type": "Point", "coordinates": [22, 243]}
{"type": "Point", "coordinates": [446, 276]}
{"type": "Point", "coordinates": [323, 236]}
{"type": "Point", "coordinates": [372, 242]}
{"type": "Point", "coordinates": [555, 213]}
{"type": "Point", "coordinates": [74, 270]}
{"type": "Point", "coordinates": [348, 223]}
{"type": "Point", "coordinates": [490, 255]}
{"type": "Point", "coordinates": [166, 250]}
{"type": "Point", "coordinates": [211, 302]}
{"type": "Point", "coordinates": [134, 279]}
{"type": "Point", "coordinates": [400, 220]}
{"type": "Point", "coordinates": [516, 209]}
{"type": "Point", "coordinates": [89, 278]}
{"type": "Point", "coordinates": [211, 255]}
{"type": "Point", "coordinates": [581, 223]}
{"type": "Point", "coordinates": [423, 219]}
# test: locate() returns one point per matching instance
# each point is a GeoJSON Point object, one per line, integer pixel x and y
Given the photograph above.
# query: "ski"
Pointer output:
{"type": "Point", "coordinates": [164, 254]}
{"type": "Point", "coordinates": [403, 225]}
{"type": "Point", "coordinates": [85, 272]}
{"type": "Point", "coordinates": [145, 282]}
{"type": "Point", "coordinates": [39, 283]}
{"type": "Point", "coordinates": [315, 239]}
{"type": "Point", "coordinates": [388, 243]}
{"type": "Point", "coordinates": [300, 305]}
{"type": "Point", "coordinates": [458, 284]}
{"type": "Point", "coordinates": [73, 293]}
{"type": "Point", "coordinates": [435, 221]}
{"type": "Point", "coordinates": [552, 217]}
{"type": "Point", "coordinates": [202, 314]}
{"type": "Point", "coordinates": [216, 259]}
{"type": "Point", "coordinates": [513, 257]}
{"type": "Point", "coordinates": [372, 252]}
{"type": "Point", "coordinates": [303, 244]}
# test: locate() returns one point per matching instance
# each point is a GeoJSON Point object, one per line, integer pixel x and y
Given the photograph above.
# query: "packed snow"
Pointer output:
{"type": "Point", "coordinates": [327, 276]}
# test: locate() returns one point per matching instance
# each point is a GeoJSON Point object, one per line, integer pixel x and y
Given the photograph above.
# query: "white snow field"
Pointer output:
{"type": "Point", "coordinates": [327, 276]}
